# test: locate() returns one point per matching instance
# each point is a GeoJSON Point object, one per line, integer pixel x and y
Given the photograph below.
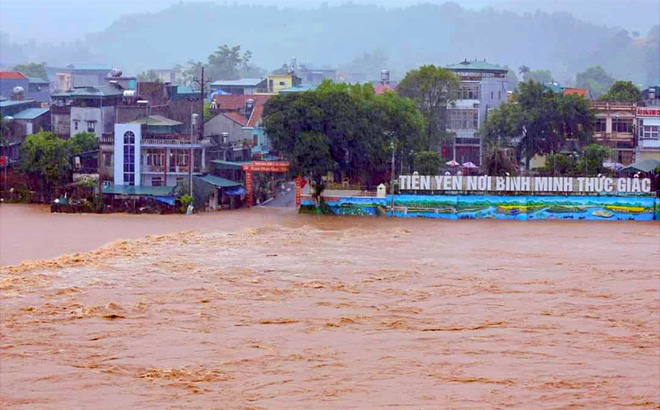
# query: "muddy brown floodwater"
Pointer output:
{"type": "Point", "coordinates": [264, 309]}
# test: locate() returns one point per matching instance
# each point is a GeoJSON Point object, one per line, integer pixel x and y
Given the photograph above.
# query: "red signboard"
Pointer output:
{"type": "Point", "coordinates": [266, 166]}
{"type": "Point", "coordinates": [648, 112]}
{"type": "Point", "coordinates": [3, 160]}
{"type": "Point", "coordinates": [299, 186]}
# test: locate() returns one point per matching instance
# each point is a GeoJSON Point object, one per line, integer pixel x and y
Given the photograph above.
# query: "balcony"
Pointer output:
{"type": "Point", "coordinates": [162, 142]}
{"type": "Point", "coordinates": [611, 105]}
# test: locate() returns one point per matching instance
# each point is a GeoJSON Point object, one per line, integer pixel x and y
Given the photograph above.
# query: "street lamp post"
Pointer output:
{"type": "Point", "coordinates": [193, 119]}
{"type": "Point", "coordinates": [393, 146]}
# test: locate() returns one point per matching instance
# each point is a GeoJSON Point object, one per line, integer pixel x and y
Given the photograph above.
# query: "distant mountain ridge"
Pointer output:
{"type": "Point", "coordinates": [334, 35]}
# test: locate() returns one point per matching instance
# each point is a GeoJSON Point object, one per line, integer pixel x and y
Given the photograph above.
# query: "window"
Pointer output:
{"type": "Point", "coordinates": [156, 181]}
{"type": "Point", "coordinates": [621, 125]}
{"type": "Point", "coordinates": [255, 140]}
{"type": "Point", "coordinates": [601, 124]}
{"type": "Point", "coordinates": [463, 119]}
{"type": "Point", "coordinates": [155, 159]}
{"type": "Point", "coordinates": [91, 126]}
{"type": "Point", "coordinates": [492, 95]}
{"type": "Point", "coordinates": [75, 125]}
{"type": "Point", "coordinates": [650, 131]}
{"type": "Point", "coordinates": [107, 158]}
{"type": "Point", "coordinates": [282, 83]}
{"type": "Point", "coordinates": [129, 158]}
{"type": "Point", "coordinates": [467, 91]}
{"type": "Point", "coordinates": [499, 95]}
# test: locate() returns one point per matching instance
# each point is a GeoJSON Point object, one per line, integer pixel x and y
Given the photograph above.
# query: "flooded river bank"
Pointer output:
{"type": "Point", "coordinates": [269, 309]}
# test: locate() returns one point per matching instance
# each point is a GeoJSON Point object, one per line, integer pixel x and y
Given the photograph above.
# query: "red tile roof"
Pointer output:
{"type": "Point", "coordinates": [12, 75]}
{"type": "Point", "coordinates": [229, 105]}
{"type": "Point", "coordinates": [581, 92]}
{"type": "Point", "coordinates": [381, 88]}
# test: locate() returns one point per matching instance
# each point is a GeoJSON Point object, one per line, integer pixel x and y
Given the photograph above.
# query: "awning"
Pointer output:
{"type": "Point", "coordinates": [217, 181]}
{"type": "Point", "coordinates": [236, 191]}
{"type": "Point", "coordinates": [219, 164]}
{"type": "Point", "coordinates": [646, 165]}
{"type": "Point", "coordinates": [138, 190]}
{"type": "Point", "coordinates": [169, 200]}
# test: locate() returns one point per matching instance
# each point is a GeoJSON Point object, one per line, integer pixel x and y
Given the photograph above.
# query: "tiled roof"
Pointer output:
{"type": "Point", "coordinates": [243, 82]}
{"type": "Point", "coordinates": [381, 88]}
{"type": "Point", "coordinates": [30, 113]}
{"type": "Point", "coordinates": [230, 105]}
{"type": "Point", "coordinates": [236, 117]}
{"type": "Point", "coordinates": [12, 75]}
{"type": "Point", "coordinates": [575, 91]}
{"type": "Point", "coordinates": [476, 66]}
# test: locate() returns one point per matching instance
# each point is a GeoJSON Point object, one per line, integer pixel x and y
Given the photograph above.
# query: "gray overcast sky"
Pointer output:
{"type": "Point", "coordinates": [66, 20]}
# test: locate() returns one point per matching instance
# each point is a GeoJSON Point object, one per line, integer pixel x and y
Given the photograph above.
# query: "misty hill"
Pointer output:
{"type": "Point", "coordinates": [401, 38]}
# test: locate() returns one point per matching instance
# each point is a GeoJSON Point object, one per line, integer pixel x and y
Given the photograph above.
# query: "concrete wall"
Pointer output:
{"type": "Point", "coordinates": [7, 85]}
{"type": "Point", "coordinates": [103, 117]}
{"type": "Point", "coordinates": [120, 129]}
{"type": "Point", "coordinates": [605, 208]}
{"type": "Point", "coordinates": [219, 124]}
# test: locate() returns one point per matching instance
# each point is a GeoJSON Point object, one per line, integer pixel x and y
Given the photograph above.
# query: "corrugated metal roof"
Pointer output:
{"type": "Point", "coordinates": [476, 66]}
{"type": "Point", "coordinates": [90, 67]}
{"type": "Point", "coordinates": [299, 88]}
{"type": "Point", "coordinates": [37, 80]}
{"type": "Point", "coordinates": [139, 190]}
{"type": "Point", "coordinates": [220, 164]}
{"type": "Point", "coordinates": [11, 75]}
{"type": "Point", "coordinates": [30, 113]}
{"type": "Point", "coordinates": [97, 91]}
{"type": "Point", "coordinates": [157, 120]}
{"type": "Point", "coordinates": [218, 181]}
{"type": "Point", "coordinates": [9, 103]}
{"type": "Point", "coordinates": [243, 82]}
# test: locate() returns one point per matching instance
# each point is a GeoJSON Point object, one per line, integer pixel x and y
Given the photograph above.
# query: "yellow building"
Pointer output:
{"type": "Point", "coordinates": [278, 82]}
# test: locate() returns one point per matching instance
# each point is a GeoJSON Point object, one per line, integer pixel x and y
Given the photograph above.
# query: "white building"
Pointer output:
{"type": "Point", "coordinates": [648, 133]}
{"type": "Point", "coordinates": [483, 87]}
{"type": "Point", "coordinates": [155, 151]}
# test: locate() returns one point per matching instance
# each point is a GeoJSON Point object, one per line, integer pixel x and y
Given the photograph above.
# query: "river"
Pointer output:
{"type": "Point", "coordinates": [264, 308]}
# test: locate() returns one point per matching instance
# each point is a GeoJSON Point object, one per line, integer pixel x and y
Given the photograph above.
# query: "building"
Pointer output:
{"type": "Point", "coordinates": [384, 84]}
{"type": "Point", "coordinates": [82, 75]}
{"type": "Point", "coordinates": [154, 151]}
{"type": "Point", "coordinates": [615, 128]}
{"type": "Point", "coordinates": [14, 85]}
{"type": "Point", "coordinates": [38, 89]}
{"type": "Point", "coordinates": [648, 125]}
{"type": "Point", "coordinates": [22, 118]}
{"type": "Point", "coordinates": [242, 86]}
{"type": "Point", "coordinates": [238, 123]}
{"type": "Point", "coordinates": [277, 81]}
{"type": "Point", "coordinates": [85, 109]}
{"type": "Point", "coordinates": [483, 87]}
{"type": "Point", "coordinates": [315, 76]}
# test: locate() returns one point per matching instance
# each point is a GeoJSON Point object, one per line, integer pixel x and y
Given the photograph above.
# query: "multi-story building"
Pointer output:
{"type": "Point", "coordinates": [483, 87]}
{"type": "Point", "coordinates": [155, 151]}
{"type": "Point", "coordinates": [238, 123]}
{"type": "Point", "coordinates": [648, 125]}
{"type": "Point", "coordinates": [85, 109]}
{"type": "Point", "coordinates": [614, 128]}
{"type": "Point", "coordinates": [22, 118]}
{"type": "Point", "coordinates": [81, 75]}
{"type": "Point", "coordinates": [14, 83]}
{"type": "Point", "coordinates": [243, 86]}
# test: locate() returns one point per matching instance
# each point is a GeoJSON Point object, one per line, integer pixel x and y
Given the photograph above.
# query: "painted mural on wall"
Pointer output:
{"type": "Point", "coordinates": [496, 207]}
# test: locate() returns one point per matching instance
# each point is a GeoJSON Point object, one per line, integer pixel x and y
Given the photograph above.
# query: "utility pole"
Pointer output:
{"type": "Point", "coordinates": [393, 146]}
{"type": "Point", "coordinates": [203, 82]}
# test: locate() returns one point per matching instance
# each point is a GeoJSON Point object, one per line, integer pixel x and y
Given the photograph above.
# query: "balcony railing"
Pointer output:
{"type": "Point", "coordinates": [613, 104]}
{"type": "Point", "coordinates": [167, 141]}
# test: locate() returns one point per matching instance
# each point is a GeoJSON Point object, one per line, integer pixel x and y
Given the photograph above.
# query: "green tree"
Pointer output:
{"type": "Point", "coordinates": [511, 78]}
{"type": "Point", "coordinates": [523, 69]}
{"type": "Point", "coordinates": [431, 88]}
{"type": "Point", "coordinates": [499, 161]}
{"type": "Point", "coordinates": [37, 70]}
{"type": "Point", "coordinates": [595, 79]}
{"type": "Point", "coordinates": [311, 156]}
{"type": "Point", "coordinates": [593, 157]}
{"type": "Point", "coordinates": [4, 132]}
{"type": "Point", "coordinates": [149, 75]}
{"type": "Point", "coordinates": [502, 125]}
{"type": "Point", "coordinates": [226, 63]}
{"type": "Point", "coordinates": [190, 71]}
{"type": "Point", "coordinates": [45, 160]}
{"type": "Point", "coordinates": [427, 163]}
{"type": "Point", "coordinates": [358, 126]}
{"type": "Point", "coordinates": [622, 91]}
{"type": "Point", "coordinates": [82, 142]}
{"type": "Point", "coordinates": [540, 76]}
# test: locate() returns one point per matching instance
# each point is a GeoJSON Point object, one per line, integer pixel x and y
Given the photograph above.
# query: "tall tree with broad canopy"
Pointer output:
{"type": "Point", "coordinates": [622, 91]}
{"type": "Point", "coordinates": [431, 88]}
{"type": "Point", "coordinates": [358, 127]}
{"type": "Point", "coordinates": [540, 121]}
{"type": "Point", "coordinates": [596, 80]}
{"type": "Point", "coordinates": [37, 70]}
{"type": "Point", "coordinates": [45, 160]}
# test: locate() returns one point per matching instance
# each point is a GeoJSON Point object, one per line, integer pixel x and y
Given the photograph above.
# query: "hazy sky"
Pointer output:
{"type": "Point", "coordinates": [67, 20]}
